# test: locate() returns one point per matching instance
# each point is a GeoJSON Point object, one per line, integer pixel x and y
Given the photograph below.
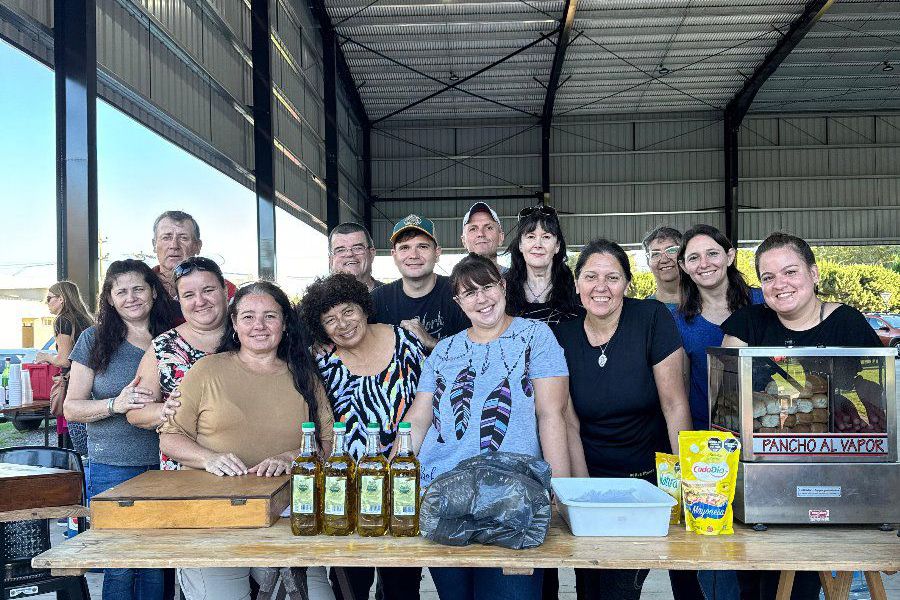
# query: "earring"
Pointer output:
{"type": "Point", "coordinates": [235, 338]}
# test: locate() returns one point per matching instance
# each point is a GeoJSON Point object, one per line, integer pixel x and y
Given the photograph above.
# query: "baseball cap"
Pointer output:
{"type": "Point", "coordinates": [414, 222]}
{"type": "Point", "coordinates": [480, 207]}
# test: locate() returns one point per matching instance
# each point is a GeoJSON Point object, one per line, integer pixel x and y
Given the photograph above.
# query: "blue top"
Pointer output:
{"type": "Point", "coordinates": [697, 335]}
{"type": "Point", "coordinates": [483, 394]}
{"type": "Point", "coordinates": [113, 440]}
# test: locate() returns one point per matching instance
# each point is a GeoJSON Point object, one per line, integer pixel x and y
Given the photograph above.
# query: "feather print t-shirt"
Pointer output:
{"type": "Point", "coordinates": [358, 400]}
{"type": "Point", "coordinates": [484, 394]}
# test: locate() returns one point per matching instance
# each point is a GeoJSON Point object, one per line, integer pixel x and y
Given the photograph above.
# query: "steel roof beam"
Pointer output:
{"type": "Point", "coordinates": [559, 58]}
{"type": "Point", "coordinates": [456, 84]}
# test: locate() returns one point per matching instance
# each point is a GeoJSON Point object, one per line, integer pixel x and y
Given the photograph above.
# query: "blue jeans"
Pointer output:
{"type": "Point", "coordinates": [485, 584]}
{"type": "Point", "coordinates": [124, 584]}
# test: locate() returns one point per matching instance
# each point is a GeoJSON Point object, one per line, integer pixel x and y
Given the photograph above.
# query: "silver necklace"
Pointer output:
{"type": "Point", "coordinates": [602, 359]}
{"type": "Point", "coordinates": [537, 297]}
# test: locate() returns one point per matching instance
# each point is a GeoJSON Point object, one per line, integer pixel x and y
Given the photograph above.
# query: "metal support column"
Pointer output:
{"type": "Point", "coordinates": [566, 24]}
{"type": "Point", "coordinates": [329, 57]}
{"type": "Point", "coordinates": [263, 138]}
{"type": "Point", "coordinates": [75, 73]}
{"type": "Point", "coordinates": [730, 149]}
{"type": "Point", "coordinates": [367, 175]}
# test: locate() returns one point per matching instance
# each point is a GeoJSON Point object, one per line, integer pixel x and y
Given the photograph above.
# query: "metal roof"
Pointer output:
{"type": "Point", "coordinates": [625, 56]}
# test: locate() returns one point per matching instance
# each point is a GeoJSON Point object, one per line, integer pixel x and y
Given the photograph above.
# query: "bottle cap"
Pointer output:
{"type": "Point", "coordinates": [308, 426]}
{"type": "Point", "coordinates": [373, 427]}
{"type": "Point", "coordinates": [404, 426]}
{"type": "Point", "coordinates": [340, 427]}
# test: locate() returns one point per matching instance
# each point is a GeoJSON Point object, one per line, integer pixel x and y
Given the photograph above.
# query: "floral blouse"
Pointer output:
{"type": "Point", "coordinates": [174, 357]}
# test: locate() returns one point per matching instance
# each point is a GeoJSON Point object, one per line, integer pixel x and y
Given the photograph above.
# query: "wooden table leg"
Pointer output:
{"type": "Point", "coordinates": [785, 585]}
{"type": "Point", "coordinates": [876, 586]}
{"type": "Point", "coordinates": [836, 588]}
{"type": "Point", "coordinates": [517, 571]}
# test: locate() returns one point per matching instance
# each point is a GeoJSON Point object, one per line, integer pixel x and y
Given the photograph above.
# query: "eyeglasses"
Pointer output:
{"type": "Point", "coordinates": [50, 297]}
{"type": "Point", "coordinates": [471, 295]}
{"type": "Point", "coordinates": [345, 251]}
{"type": "Point", "coordinates": [540, 209]}
{"type": "Point", "coordinates": [655, 255]}
{"type": "Point", "coordinates": [195, 263]}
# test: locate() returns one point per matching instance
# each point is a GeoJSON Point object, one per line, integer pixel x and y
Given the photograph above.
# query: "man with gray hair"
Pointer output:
{"type": "Point", "coordinates": [661, 248]}
{"type": "Point", "coordinates": [176, 237]}
{"type": "Point", "coordinates": [352, 250]}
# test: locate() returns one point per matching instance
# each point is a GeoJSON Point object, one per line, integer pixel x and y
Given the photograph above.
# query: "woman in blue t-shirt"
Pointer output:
{"type": "Point", "coordinates": [712, 290]}
{"type": "Point", "coordinates": [499, 385]}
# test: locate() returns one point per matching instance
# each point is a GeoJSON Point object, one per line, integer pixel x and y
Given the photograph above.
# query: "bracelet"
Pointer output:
{"type": "Point", "coordinates": [109, 406]}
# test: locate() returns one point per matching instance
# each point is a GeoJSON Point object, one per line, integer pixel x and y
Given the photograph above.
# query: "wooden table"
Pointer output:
{"type": "Point", "coordinates": [785, 549]}
{"type": "Point", "coordinates": [41, 406]}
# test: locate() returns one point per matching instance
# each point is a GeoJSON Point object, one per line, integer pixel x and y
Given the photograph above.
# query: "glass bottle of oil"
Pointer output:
{"type": "Point", "coordinates": [306, 486]}
{"type": "Point", "coordinates": [404, 477]}
{"type": "Point", "coordinates": [372, 477]}
{"type": "Point", "coordinates": [339, 514]}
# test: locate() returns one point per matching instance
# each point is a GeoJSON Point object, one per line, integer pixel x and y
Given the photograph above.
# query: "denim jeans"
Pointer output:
{"type": "Point", "coordinates": [124, 584]}
{"type": "Point", "coordinates": [609, 584]}
{"type": "Point", "coordinates": [485, 584]}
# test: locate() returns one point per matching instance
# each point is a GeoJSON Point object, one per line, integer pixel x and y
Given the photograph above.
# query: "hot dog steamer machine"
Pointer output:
{"type": "Point", "coordinates": [818, 429]}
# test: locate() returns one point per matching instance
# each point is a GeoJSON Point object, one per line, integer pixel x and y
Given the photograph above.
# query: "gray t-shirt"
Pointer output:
{"type": "Point", "coordinates": [113, 440]}
{"type": "Point", "coordinates": [484, 396]}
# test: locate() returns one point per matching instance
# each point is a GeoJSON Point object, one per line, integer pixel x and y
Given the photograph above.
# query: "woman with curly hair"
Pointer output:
{"type": "Point", "coordinates": [539, 283]}
{"type": "Point", "coordinates": [370, 375]}
{"type": "Point", "coordinates": [103, 388]}
{"type": "Point", "coordinates": [241, 411]}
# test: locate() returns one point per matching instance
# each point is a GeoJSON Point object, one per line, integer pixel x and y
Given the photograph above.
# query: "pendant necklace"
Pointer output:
{"type": "Point", "coordinates": [537, 297]}
{"type": "Point", "coordinates": [602, 359]}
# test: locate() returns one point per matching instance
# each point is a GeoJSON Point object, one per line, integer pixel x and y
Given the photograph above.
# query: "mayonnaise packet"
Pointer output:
{"type": "Point", "coordinates": [709, 463]}
{"type": "Point", "coordinates": [668, 479]}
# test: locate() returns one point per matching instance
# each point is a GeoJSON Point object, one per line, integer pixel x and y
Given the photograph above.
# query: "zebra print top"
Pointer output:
{"type": "Point", "coordinates": [383, 398]}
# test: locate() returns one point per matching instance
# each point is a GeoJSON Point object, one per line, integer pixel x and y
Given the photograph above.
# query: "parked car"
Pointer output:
{"type": "Point", "coordinates": [23, 421]}
{"type": "Point", "coordinates": [887, 326]}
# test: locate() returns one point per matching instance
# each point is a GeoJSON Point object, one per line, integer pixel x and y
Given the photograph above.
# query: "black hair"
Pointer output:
{"type": "Point", "coordinates": [663, 232]}
{"type": "Point", "coordinates": [473, 270]}
{"type": "Point", "coordinates": [111, 330]}
{"type": "Point", "coordinates": [199, 263]}
{"type": "Point", "coordinates": [604, 246]}
{"type": "Point", "coordinates": [327, 292]}
{"type": "Point", "coordinates": [738, 293]}
{"type": "Point", "coordinates": [293, 347]}
{"type": "Point", "coordinates": [562, 291]}
{"type": "Point", "coordinates": [179, 216]}
{"type": "Point", "coordinates": [780, 240]}
{"type": "Point", "coordinates": [350, 227]}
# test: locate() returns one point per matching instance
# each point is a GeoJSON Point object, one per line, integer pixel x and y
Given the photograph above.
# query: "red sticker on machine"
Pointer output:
{"type": "Point", "coordinates": [817, 515]}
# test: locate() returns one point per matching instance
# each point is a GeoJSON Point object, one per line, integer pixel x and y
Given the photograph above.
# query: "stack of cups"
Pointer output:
{"type": "Point", "coordinates": [14, 391]}
{"type": "Point", "coordinates": [27, 391]}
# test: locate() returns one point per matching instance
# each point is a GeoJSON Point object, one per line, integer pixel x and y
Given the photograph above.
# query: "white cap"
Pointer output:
{"type": "Point", "coordinates": [480, 207]}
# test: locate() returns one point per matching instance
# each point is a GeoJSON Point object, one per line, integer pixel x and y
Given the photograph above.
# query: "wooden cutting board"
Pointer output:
{"type": "Point", "coordinates": [191, 499]}
{"type": "Point", "coordinates": [25, 487]}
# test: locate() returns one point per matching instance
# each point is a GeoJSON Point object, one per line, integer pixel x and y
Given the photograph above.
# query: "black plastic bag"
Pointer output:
{"type": "Point", "coordinates": [498, 498]}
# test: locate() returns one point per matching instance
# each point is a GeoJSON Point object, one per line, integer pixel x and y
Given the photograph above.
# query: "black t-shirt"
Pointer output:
{"type": "Point", "coordinates": [550, 313]}
{"type": "Point", "coordinates": [62, 326]}
{"type": "Point", "coordinates": [758, 325]}
{"type": "Point", "coordinates": [440, 315]}
{"type": "Point", "coordinates": [622, 423]}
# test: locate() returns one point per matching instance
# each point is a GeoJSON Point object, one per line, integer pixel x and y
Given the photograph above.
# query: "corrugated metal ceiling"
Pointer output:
{"type": "Point", "coordinates": [625, 56]}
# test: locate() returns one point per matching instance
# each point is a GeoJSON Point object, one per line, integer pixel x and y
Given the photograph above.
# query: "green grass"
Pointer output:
{"type": "Point", "coordinates": [10, 437]}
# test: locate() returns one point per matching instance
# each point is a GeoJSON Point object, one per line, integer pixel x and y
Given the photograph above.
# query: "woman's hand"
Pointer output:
{"type": "Point", "coordinates": [132, 397]}
{"type": "Point", "coordinates": [43, 357]}
{"type": "Point", "coordinates": [170, 406]}
{"type": "Point", "coordinates": [273, 466]}
{"type": "Point", "coordinates": [225, 464]}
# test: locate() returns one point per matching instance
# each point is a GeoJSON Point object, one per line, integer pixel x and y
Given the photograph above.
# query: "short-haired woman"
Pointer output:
{"type": "Point", "coordinates": [370, 375]}
{"type": "Point", "coordinates": [499, 385]}
{"type": "Point", "coordinates": [101, 391]}
{"type": "Point", "coordinates": [624, 358]}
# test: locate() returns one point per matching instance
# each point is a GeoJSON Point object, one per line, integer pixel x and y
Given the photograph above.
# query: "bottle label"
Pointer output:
{"type": "Point", "coordinates": [404, 496]}
{"type": "Point", "coordinates": [336, 496]}
{"type": "Point", "coordinates": [370, 494]}
{"type": "Point", "coordinates": [303, 502]}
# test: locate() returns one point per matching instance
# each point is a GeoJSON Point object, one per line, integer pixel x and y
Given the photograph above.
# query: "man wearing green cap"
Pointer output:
{"type": "Point", "coordinates": [420, 301]}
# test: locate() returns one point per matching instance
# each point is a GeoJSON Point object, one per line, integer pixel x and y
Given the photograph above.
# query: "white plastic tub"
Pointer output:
{"type": "Point", "coordinates": [613, 507]}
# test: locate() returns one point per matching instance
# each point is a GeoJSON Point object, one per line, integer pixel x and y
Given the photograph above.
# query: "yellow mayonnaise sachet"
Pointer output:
{"type": "Point", "coordinates": [668, 479]}
{"type": "Point", "coordinates": [709, 463]}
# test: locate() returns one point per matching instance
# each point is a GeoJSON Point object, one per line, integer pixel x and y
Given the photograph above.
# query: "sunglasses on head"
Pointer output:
{"type": "Point", "coordinates": [194, 263]}
{"type": "Point", "coordinates": [538, 209]}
